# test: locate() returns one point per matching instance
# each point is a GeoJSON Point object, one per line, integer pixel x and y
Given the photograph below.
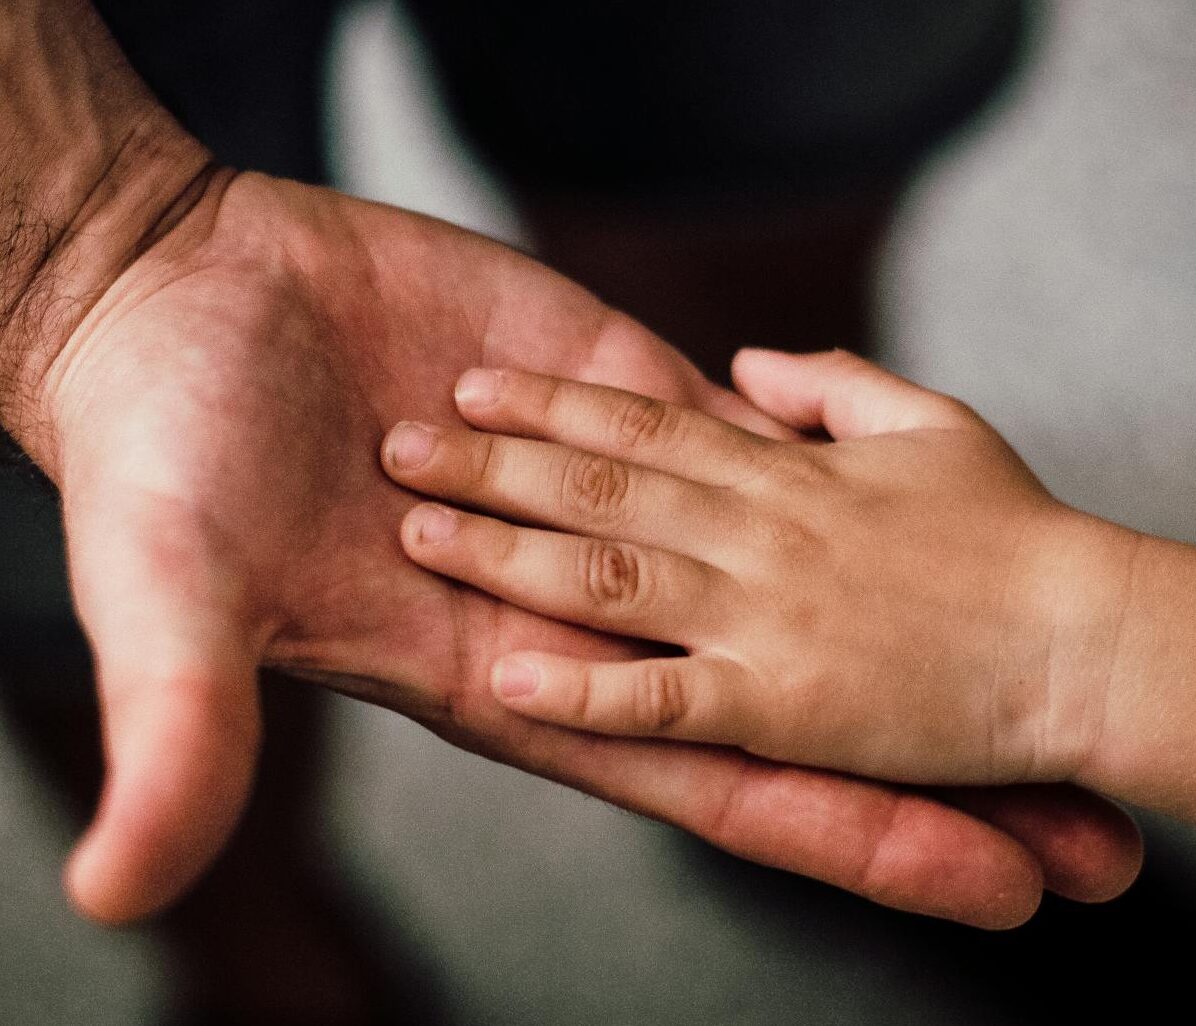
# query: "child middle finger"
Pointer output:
{"type": "Point", "coordinates": [562, 487]}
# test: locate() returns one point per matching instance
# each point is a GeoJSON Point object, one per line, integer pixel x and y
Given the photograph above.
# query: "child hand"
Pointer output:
{"type": "Point", "coordinates": [888, 604]}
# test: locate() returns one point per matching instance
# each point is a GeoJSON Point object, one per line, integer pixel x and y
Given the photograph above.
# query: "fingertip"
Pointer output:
{"type": "Point", "coordinates": [1013, 912]}
{"type": "Point", "coordinates": [757, 362]}
{"type": "Point", "coordinates": [101, 892]}
{"type": "Point", "coordinates": [752, 359]}
{"type": "Point", "coordinates": [1096, 856]}
{"type": "Point", "coordinates": [87, 884]}
{"type": "Point", "coordinates": [1003, 883]}
{"type": "Point", "coordinates": [982, 876]}
{"type": "Point", "coordinates": [407, 447]}
{"type": "Point", "coordinates": [181, 767]}
{"type": "Point", "coordinates": [745, 361]}
{"type": "Point", "coordinates": [766, 376]}
{"type": "Point", "coordinates": [427, 525]}
{"type": "Point", "coordinates": [514, 679]}
{"type": "Point", "coordinates": [749, 354]}
{"type": "Point", "coordinates": [111, 885]}
{"type": "Point", "coordinates": [478, 388]}
{"type": "Point", "coordinates": [1089, 849]}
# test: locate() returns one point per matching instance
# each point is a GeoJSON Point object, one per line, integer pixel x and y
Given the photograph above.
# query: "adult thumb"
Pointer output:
{"type": "Point", "coordinates": [176, 678]}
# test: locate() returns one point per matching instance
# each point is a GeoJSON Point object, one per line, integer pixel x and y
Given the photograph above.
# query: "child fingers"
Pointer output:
{"type": "Point", "coordinates": [609, 421]}
{"type": "Point", "coordinates": [697, 698]}
{"type": "Point", "coordinates": [612, 586]}
{"type": "Point", "coordinates": [559, 486]}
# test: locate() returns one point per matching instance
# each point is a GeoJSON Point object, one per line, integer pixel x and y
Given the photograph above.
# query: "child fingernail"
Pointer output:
{"type": "Point", "coordinates": [514, 678]}
{"type": "Point", "coordinates": [410, 445]}
{"type": "Point", "coordinates": [478, 387]}
{"type": "Point", "coordinates": [434, 524]}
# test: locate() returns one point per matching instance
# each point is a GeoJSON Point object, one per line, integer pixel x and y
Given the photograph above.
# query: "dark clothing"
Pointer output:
{"type": "Point", "coordinates": [662, 99]}
{"type": "Point", "coordinates": [671, 98]}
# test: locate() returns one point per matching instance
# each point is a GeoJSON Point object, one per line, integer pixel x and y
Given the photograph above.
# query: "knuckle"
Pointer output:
{"type": "Point", "coordinates": [485, 460]}
{"type": "Point", "coordinates": [612, 574]}
{"type": "Point", "coordinates": [807, 466]}
{"type": "Point", "coordinates": [640, 421]}
{"type": "Point", "coordinates": [555, 402]}
{"type": "Point", "coordinates": [506, 549]}
{"type": "Point", "coordinates": [658, 701]}
{"type": "Point", "coordinates": [594, 486]}
{"type": "Point", "coordinates": [786, 466]}
{"type": "Point", "coordinates": [583, 706]}
{"type": "Point", "coordinates": [843, 358]}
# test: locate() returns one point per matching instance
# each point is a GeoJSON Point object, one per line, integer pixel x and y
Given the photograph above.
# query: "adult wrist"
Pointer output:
{"type": "Point", "coordinates": [95, 172]}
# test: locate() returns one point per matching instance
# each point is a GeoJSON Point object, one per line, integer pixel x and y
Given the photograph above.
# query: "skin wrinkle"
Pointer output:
{"type": "Point", "coordinates": [512, 541]}
{"type": "Point", "coordinates": [369, 282]}
{"type": "Point", "coordinates": [488, 462]}
{"type": "Point", "coordinates": [595, 486]}
{"type": "Point", "coordinates": [464, 670]}
{"type": "Point", "coordinates": [660, 698]}
{"type": "Point", "coordinates": [24, 235]}
{"type": "Point", "coordinates": [720, 824]}
{"type": "Point", "coordinates": [610, 575]}
{"type": "Point", "coordinates": [1036, 758]}
{"type": "Point", "coordinates": [56, 237]}
{"type": "Point", "coordinates": [995, 687]}
{"type": "Point", "coordinates": [642, 420]}
{"type": "Point", "coordinates": [762, 466]}
{"type": "Point", "coordinates": [294, 262]}
{"type": "Point", "coordinates": [585, 696]}
{"type": "Point", "coordinates": [552, 415]}
{"type": "Point", "coordinates": [863, 877]}
{"type": "Point", "coordinates": [54, 378]}
{"type": "Point", "coordinates": [43, 289]}
{"type": "Point", "coordinates": [1071, 724]}
{"type": "Point", "coordinates": [1109, 680]}
{"type": "Point", "coordinates": [27, 308]}
{"type": "Point", "coordinates": [188, 198]}
{"type": "Point", "coordinates": [211, 404]}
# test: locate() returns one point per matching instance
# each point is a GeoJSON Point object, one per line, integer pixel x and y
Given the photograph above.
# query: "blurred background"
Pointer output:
{"type": "Point", "coordinates": [1032, 250]}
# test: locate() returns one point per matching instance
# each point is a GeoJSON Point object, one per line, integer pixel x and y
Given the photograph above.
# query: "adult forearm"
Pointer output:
{"type": "Point", "coordinates": [92, 171]}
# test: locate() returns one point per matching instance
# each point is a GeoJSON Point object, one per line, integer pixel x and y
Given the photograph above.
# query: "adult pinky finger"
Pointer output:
{"type": "Point", "coordinates": [693, 698]}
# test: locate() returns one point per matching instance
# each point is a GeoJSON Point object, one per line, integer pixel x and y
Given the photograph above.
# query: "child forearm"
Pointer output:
{"type": "Point", "coordinates": [1145, 749]}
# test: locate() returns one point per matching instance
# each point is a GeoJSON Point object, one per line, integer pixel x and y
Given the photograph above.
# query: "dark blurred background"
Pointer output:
{"type": "Point", "coordinates": [997, 198]}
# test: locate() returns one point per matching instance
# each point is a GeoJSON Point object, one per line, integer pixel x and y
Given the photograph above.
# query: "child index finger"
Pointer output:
{"type": "Point", "coordinates": [609, 422]}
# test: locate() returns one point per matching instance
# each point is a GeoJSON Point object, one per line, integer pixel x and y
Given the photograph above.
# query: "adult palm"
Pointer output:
{"type": "Point", "coordinates": [216, 419]}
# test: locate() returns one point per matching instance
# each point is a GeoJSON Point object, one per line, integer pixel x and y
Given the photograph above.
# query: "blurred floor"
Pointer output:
{"type": "Point", "coordinates": [1045, 270]}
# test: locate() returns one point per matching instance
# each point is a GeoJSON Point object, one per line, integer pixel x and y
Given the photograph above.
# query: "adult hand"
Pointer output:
{"type": "Point", "coordinates": [205, 364]}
